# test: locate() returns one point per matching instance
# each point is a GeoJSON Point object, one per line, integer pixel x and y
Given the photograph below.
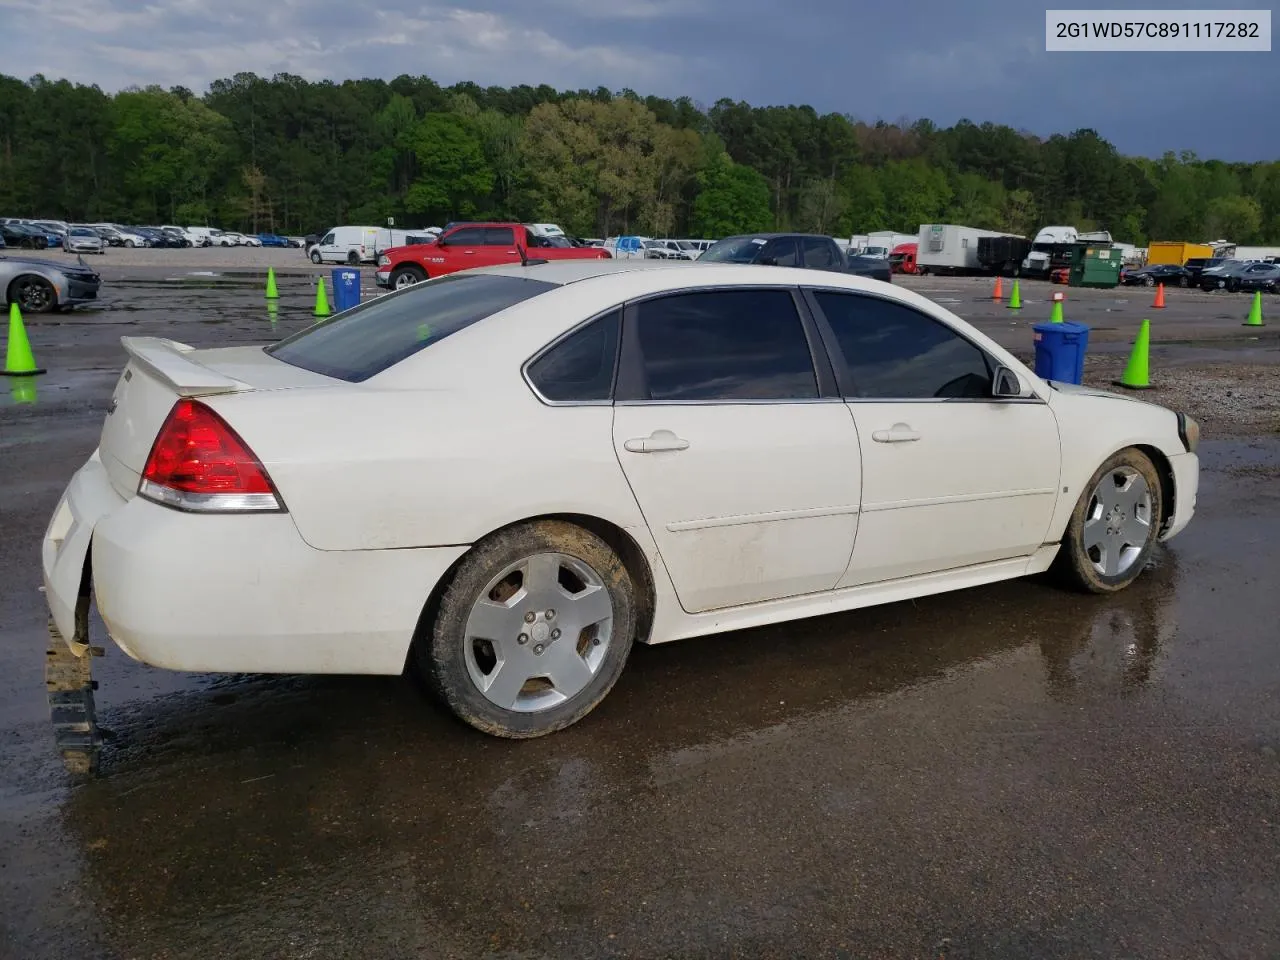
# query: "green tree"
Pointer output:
{"type": "Point", "coordinates": [452, 174]}
{"type": "Point", "coordinates": [733, 198]}
{"type": "Point", "coordinates": [1234, 218]}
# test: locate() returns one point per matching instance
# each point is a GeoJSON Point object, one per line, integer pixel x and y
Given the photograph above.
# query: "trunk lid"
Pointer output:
{"type": "Point", "coordinates": [160, 371]}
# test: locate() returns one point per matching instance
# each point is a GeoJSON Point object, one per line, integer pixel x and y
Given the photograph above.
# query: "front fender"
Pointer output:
{"type": "Point", "coordinates": [1094, 425]}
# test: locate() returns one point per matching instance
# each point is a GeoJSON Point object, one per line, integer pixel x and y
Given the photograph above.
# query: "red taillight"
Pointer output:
{"type": "Point", "coordinates": [199, 463]}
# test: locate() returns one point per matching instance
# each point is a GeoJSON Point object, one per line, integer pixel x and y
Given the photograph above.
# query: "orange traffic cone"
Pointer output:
{"type": "Point", "coordinates": [1159, 297]}
{"type": "Point", "coordinates": [998, 293]}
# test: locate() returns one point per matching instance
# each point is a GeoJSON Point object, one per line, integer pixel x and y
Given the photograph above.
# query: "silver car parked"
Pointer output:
{"type": "Point", "coordinates": [82, 239]}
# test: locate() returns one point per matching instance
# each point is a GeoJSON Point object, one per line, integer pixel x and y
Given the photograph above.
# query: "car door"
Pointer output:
{"type": "Point", "coordinates": [952, 476]}
{"type": "Point", "coordinates": [328, 247]}
{"type": "Point", "coordinates": [466, 246]}
{"type": "Point", "coordinates": [499, 246]}
{"type": "Point", "coordinates": [740, 453]}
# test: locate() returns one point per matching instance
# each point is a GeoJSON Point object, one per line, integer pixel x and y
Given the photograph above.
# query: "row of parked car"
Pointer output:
{"type": "Point", "coordinates": [96, 237]}
{"type": "Point", "coordinates": [1211, 273]}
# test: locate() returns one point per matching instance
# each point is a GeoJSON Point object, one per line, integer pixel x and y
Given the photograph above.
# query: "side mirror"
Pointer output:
{"type": "Point", "coordinates": [1005, 383]}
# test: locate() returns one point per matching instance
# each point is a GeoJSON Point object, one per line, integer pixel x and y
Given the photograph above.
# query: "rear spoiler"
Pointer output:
{"type": "Point", "coordinates": [166, 360]}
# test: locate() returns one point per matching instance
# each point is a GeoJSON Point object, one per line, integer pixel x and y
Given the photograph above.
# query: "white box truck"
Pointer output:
{"type": "Point", "coordinates": [881, 243]}
{"type": "Point", "coordinates": [949, 248]}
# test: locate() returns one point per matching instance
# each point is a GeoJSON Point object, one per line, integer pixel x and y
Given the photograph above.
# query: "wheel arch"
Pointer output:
{"type": "Point", "coordinates": [1168, 488]}
{"type": "Point", "coordinates": [621, 542]}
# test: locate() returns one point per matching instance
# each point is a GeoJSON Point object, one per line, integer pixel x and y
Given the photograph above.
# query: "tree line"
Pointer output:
{"type": "Point", "coordinates": [292, 156]}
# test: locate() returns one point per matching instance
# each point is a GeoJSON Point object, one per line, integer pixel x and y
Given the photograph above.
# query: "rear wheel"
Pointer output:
{"type": "Point", "coordinates": [1149, 280]}
{"type": "Point", "coordinates": [407, 276]}
{"type": "Point", "coordinates": [532, 631]}
{"type": "Point", "coordinates": [1113, 528]}
{"type": "Point", "coordinates": [352, 257]}
{"type": "Point", "coordinates": [33, 294]}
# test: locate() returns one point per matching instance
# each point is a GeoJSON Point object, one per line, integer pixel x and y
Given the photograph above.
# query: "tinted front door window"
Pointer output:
{"type": "Point", "coordinates": [783, 252]}
{"type": "Point", "coordinates": [724, 345]}
{"type": "Point", "coordinates": [894, 352]}
{"type": "Point", "coordinates": [466, 237]}
{"type": "Point", "coordinates": [819, 253]}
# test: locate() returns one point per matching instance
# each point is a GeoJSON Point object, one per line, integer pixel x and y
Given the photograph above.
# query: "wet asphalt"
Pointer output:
{"type": "Point", "coordinates": [1013, 771]}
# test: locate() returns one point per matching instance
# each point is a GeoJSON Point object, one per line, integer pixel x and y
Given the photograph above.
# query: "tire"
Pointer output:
{"type": "Point", "coordinates": [1149, 280]}
{"type": "Point", "coordinates": [1184, 282]}
{"type": "Point", "coordinates": [353, 258]}
{"type": "Point", "coordinates": [463, 670]}
{"type": "Point", "coordinates": [131, 243]}
{"type": "Point", "coordinates": [1088, 532]}
{"type": "Point", "coordinates": [315, 256]}
{"type": "Point", "coordinates": [33, 294]}
{"type": "Point", "coordinates": [407, 276]}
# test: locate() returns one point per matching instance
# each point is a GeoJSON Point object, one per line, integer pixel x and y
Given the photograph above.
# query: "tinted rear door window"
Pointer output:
{"type": "Point", "coordinates": [499, 237]}
{"type": "Point", "coordinates": [579, 369]}
{"type": "Point", "coordinates": [364, 341]}
{"type": "Point", "coordinates": [724, 345]}
{"type": "Point", "coordinates": [895, 352]}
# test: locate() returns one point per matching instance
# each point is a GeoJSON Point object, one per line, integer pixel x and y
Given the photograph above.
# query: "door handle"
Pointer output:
{"type": "Point", "coordinates": [898, 433]}
{"type": "Point", "coordinates": [657, 442]}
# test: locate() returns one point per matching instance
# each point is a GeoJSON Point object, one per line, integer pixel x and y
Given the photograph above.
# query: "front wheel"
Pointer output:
{"type": "Point", "coordinates": [315, 256]}
{"type": "Point", "coordinates": [407, 276]}
{"type": "Point", "coordinates": [532, 631]}
{"type": "Point", "coordinates": [33, 294]}
{"type": "Point", "coordinates": [1114, 526]}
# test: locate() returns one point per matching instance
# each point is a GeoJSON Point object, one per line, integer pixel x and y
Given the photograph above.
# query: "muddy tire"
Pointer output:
{"type": "Point", "coordinates": [532, 631]}
{"type": "Point", "coordinates": [1114, 526]}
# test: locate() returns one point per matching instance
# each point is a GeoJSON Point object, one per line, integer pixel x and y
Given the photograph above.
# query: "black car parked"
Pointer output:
{"type": "Point", "coordinates": [1170, 274]}
{"type": "Point", "coordinates": [23, 237]}
{"type": "Point", "coordinates": [809, 250]}
{"type": "Point", "coordinates": [1258, 276]}
{"type": "Point", "coordinates": [1197, 265]}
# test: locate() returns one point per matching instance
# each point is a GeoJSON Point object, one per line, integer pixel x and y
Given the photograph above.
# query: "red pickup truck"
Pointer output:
{"type": "Point", "coordinates": [473, 245]}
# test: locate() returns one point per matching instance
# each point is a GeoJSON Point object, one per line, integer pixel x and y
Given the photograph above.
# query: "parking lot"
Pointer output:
{"type": "Point", "coordinates": [1011, 771]}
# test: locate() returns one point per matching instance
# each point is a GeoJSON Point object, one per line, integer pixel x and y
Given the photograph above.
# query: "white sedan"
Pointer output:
{"type": "Point", "coordinates": [505, 477]}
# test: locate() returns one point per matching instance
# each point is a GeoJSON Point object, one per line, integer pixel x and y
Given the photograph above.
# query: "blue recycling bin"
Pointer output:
{"type": "Point", "coordinates": [1060, 350]}
{"type": "Point", "coordinates": [346, 289]}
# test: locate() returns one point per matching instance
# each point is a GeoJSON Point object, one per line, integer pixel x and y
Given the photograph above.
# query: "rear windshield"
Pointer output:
{"type": "Point", "coordinates": [361, 342]}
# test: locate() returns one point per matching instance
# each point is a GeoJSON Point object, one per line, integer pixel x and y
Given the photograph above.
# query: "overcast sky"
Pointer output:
{"type": "Point", "coordinates": [941, 59]}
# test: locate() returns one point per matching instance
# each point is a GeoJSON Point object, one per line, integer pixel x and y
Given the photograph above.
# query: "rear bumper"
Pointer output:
{"type": "Point", "coordinates": [228, 593]}
{"type": "Point", "coordinates": [1186, 488]}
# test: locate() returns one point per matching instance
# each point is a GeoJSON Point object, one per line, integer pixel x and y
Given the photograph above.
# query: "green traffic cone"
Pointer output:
{"type": "Point", "coordinates": [18, 359]}
{"type": "Point", "coordinates": [23, 389]}
{"type": "Point", "coordinates": [322, 301]}
{"type": "Point", "coordinates": [1255, 311]}
{"type": "Point", "coordinates": [1056, 315]}
{"type": "Point", "coordinates": [272, 292]}
{"type": "Point", "coordinates": [1015, 300]}
{"type": "Point", "coordinates": [273, 312]}
{"type": "Point", "coordinates": [1136, 374]}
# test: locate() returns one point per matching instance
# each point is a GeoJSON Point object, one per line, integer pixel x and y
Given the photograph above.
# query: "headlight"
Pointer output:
{"type": "Point", "coordinates": [384, 261]}
{"type": "Point", "coordinates": [1189, 431]}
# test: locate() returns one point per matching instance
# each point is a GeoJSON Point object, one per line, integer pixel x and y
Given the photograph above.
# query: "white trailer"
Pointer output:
{"type": "Point", "coordinates": [881, 243]}
{"type": "Point", "coordinates": [949, 248]}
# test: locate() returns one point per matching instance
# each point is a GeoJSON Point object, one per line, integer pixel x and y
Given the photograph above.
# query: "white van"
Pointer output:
{"type": "Point", "coordinates": [346, 245]}
{"type": "Point", "coordinates": [203, 236]}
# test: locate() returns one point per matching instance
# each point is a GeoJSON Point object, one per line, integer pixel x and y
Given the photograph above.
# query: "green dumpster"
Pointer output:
{"type": "Point", "coordinates": [1094, 266]}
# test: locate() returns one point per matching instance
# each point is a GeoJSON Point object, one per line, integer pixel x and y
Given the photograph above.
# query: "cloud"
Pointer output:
{"type": "Point", "coordinates": [982, 59]}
